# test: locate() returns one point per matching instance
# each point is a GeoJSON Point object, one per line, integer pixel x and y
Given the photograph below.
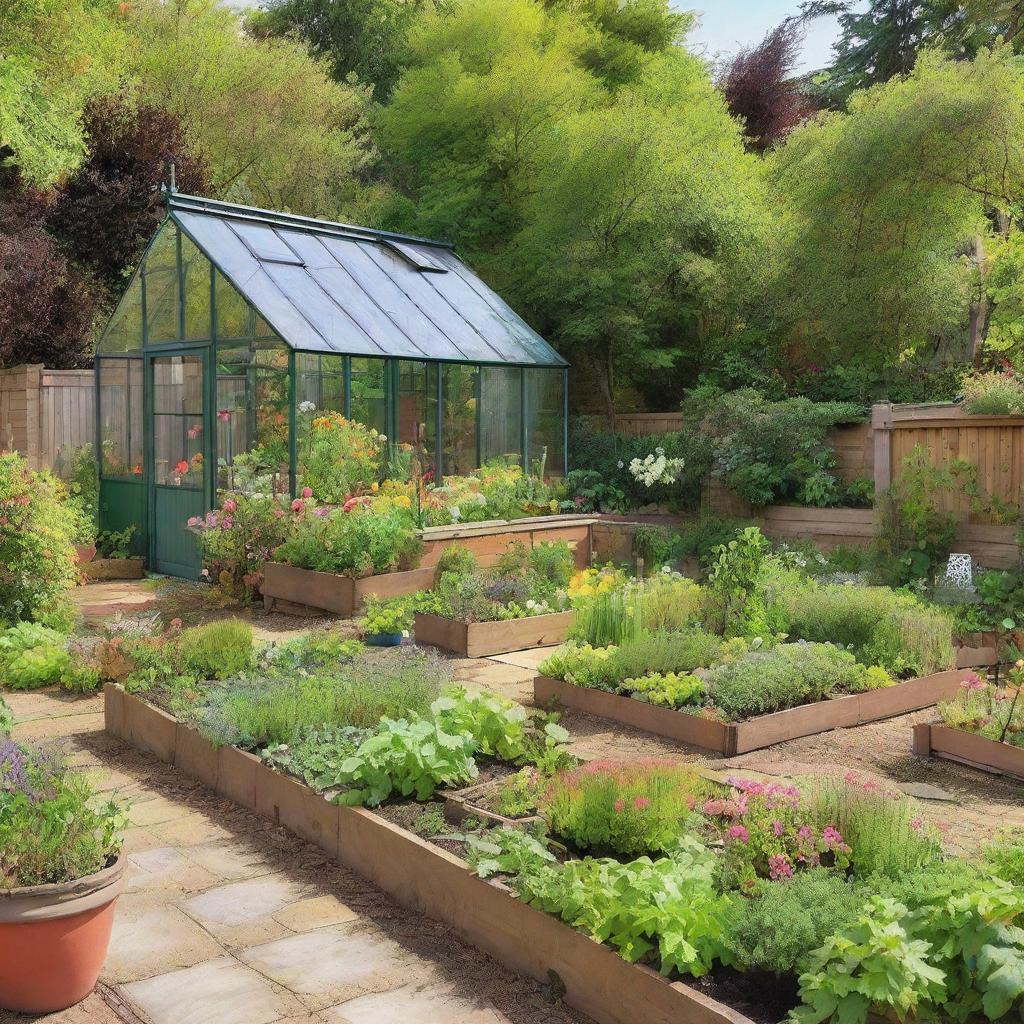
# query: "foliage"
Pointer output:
{"type": "Point", "coordinates": [238, 538]}
{"type": "Point", "coordinates": [668, 689]}
{"type": "Point", "coordinates": [388, 615]}
{"type": "Point", "coordinates": [37, 531]}
{"type": "Point", "coordinates": [115, 543]}
{"type": "Point", "coordinates": [31, 655]}
{"type": "Point", "coordinates": [783, 921]}
{"type": "Point", "coordinates": [216, 650]}
{"type": "Point", "coordinates": [994, 393]}
{"type": "Point", "coordinates": [50, 830]}
{"type": "Point", "coordinates": [787, 676]}
{"type": "Point", "coordinates": [771, 451]}
{"type": "Point", "coordinates": [456, 560]}
{"type": "Point", "coordinates": [6, 719]}
{"type": "Point", "coordinates": [1004, 857]}
{"type": "Point", "coordinates": [621, 807]}
{"type": "Point", "coordinates": [995, 712]}
{"type": "Point", "coordinates": [884, 827]}
{"type": "Point", "coordinates": [360, 542]}
{"type": "Point", "coordinates": [735, 606]}
{"type": "Point", "coordinates": [340, 458]}
{"type": "Point", "coordinates": [761, 89]}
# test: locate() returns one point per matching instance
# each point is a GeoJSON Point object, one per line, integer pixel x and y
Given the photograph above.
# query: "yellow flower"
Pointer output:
{"type": "Point", "coordinates": [375, 487]}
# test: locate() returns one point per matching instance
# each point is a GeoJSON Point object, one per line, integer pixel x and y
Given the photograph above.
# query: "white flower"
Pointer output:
{"type": "Point", "coordinates": [655, 468]}
{"type": "Point", "coordinates": [531, 604]}
{"type": "Point", "coordinates": [307, 406]}
{"type": "Point", "coordinates": [455, 512]}
{"type": "Point", "coordinates": [621, 464]}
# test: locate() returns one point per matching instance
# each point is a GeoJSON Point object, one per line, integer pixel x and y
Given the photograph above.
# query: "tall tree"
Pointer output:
{"type": "Point", "coordinates": [761, 89]}
{"type": "Point", "coordinates": [360, 38]}
{"type": "Point", "coordinates": [610, 199]}
{"type": "Point", "coordinates": [887, 209]}
{"type": "Point", "coordinates": [54, 55]}
{"type": "Point", "coordinates": [273, 126]}
{"type": "Point", "coordinates": [104, 213]}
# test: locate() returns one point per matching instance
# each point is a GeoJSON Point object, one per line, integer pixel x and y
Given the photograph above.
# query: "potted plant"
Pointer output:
{"type": "Point", "coordinates": [387, 621]}
{"type": "Point", "coordinates": [61, 871]}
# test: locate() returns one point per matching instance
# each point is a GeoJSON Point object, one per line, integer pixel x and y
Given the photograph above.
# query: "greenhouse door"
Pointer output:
{"type": "Point", "coordinates": [179, 456]}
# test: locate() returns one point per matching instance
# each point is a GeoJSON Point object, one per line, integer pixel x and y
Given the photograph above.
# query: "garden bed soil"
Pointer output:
{"type": "Point", "coordinates": [481, 639]}
{"type": "Point", "coordinates": [732, 738]}
{"type": "Point", "coordinates": [970, 749]}
{"type": "Point", "coordinates": [424, 878]}
{"type": "Point", "coordinates": [472, 803]}
{"type": "Point", "coordinates": [99, 569]}
{"type": "Point", "coordinates": [288, 588]}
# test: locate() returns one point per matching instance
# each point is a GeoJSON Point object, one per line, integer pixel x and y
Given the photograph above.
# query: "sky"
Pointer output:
{"type": "Point", "coordinates": [727, 25]}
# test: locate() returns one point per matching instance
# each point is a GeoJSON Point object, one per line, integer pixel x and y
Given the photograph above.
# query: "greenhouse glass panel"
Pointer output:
{"type": "Point", "coordinates": [367, 396]}
{"type": "Point", "coordinates": [120, 417]}
{"type": "Point", "coordinates": [545, 428]}
{"type": "Point", "coordinates": [160, 280]}
{"type": "Point", "coordinates": [195, 275]}
{"type": "Point", "coordinates": [416, 408]}
{"type": "Point", "coordinates": [320, 383]}
{"type": "Point", "coordinates": [501, 413]}
{"type": "Point", "coordinates": [124, 332]}
{"type": "Point", "coordinates": [459, 419]}
{"type": "Point", "coordinates": [234, 314]}
{"type": "Point", "coordinates": [178, 421]}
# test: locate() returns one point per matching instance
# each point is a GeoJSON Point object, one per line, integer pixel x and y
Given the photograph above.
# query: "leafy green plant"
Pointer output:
{"type": "Point", "coordinates": [115, 543]}
{"type": "Point", "coordinates": [622, 807]}
{"type": "Point", "coordinates": [216, 650]}
{"type": "Point", "coordinates": [1005, 857]}
{"type": "Point", "coordinates": [387, 615]}
{"type": "Point", "coordinates": [993, 393]}
{"type": "Point", "coordinates": [735, 607]}
{"type": "Point", "coordinates": [50, 830]}
{"type": "Point", "coordinates": [31, 655]}
{"type": "Point", "coordinates": [339, 457]}
{"type": "Point", "coordinates": [671, 689]}
{"type": "Point", "coordinates": [6, 719]}
{"type": "Point", "coordinates": [457, 560]}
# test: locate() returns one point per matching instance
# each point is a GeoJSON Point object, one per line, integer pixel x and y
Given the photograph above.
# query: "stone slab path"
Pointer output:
{"type": "Point", "coordinates": [227, 919]}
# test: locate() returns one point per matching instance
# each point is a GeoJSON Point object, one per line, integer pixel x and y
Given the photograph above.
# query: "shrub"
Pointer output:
{"type": "Point", "coordinates": [361, 542]}
{"type": "Point", "coordinates": [995, 712]}
{"type": "Point", "coordinates": [238, 538]}
{"type": "Point", "coordinates": [735, 608]}
{"type": "Point", "coordinates": [310, 652]}
{"type": "Point", "coordinates": [31, 656]}
{"type": "Point", "coordinates": [257, 713]}
{"type": "Point", "coordinates": [884, 828]}
{"type": "Point", "coordinates": [49, 828]}
{"type": "Point", "coordinates": [671, 690]}
{"type": "Point", "coordinates": [881, 627]}
{"type": "Point", "coordinates": [6, 719]}
{"type": "Point", "coordinates": [784, 677]}
{"type": "Point", "coordinates": [216, 650]}
{"type": "Point", "coordinates": [37, 534]}
{"type": "Point", "coordinates": [339, 458]}
{"type": "Point", "coordinates": [1004, 857]}
{"type": "Point", "coordinates": [783, 921]}
{"type": "Point", "coordinates": [622, 807]}
{"type": "Point", "coordinates": [457, 560]}
{"type": "Point", "coordinates": [994, 393]}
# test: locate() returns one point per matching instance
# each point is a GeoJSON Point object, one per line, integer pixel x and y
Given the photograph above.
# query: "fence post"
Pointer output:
{"type": "Point", "coordinates": [881, 428]}
{"type": "Point", "coordinates": [33, 413]}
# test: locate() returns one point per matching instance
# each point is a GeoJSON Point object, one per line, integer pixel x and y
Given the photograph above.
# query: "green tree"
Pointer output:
{"type": "Point", "coordinates": [272, 125]}
{"type": "Point", "coordinates": [886, 210]}
{"type": "Point", "coordinates": [364, 38]}
{"type": "Point", "coordinates": [54, 56]}
{"type": "Point", "coordinates": [586, 164]}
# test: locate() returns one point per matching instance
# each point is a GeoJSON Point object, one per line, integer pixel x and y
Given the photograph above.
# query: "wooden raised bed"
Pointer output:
{"type": "Point", "coordinates": [113, 569]}
{"type": "Point", "coordinates": [423, 878]}
{"type": "Point", "coordinates": [490, 540]}
{"type": "Point", "coordinates": [977, 650]}
{"type": "Point", "coordinates": [731, 738]}
{"type": "Point", "coordinates": [970, 749]}
{"type": "Point", "coordinates": [480, 639]}
{"type": "Point", "coordinates": [331, 592]}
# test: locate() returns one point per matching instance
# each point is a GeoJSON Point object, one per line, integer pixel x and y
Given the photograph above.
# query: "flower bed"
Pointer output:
{"type": "Point", "coordinates": [731, 738]}
{"type": "Point", "coordinates": [841, 885]}
{"type": "Point", "coordinates": [308, 589]}
{"type": "Point", "coordinates": [969, 748]}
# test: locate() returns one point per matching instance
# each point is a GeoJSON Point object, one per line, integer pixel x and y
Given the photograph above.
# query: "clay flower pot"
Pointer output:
{"type": "Point", "coordinates": [54, 938]}
{"type": "Point", "coordinates": [85, 553]}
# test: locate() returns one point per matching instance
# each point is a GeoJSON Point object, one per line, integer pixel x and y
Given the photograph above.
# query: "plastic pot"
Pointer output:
{"type": "Point", "coordinates": [54, 939]}
{"type": "Point", "coordinates": [384, 639]}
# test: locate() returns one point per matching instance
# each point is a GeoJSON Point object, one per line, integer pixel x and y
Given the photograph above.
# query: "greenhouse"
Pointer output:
{"type": "Point", "coordinates": [241, 326]}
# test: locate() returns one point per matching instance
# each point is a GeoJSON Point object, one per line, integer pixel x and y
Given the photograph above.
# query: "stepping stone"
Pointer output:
{"type": "Point", "coordinates": [316, 912]}
{"type": "Point", "coordinates": [433, 1004]}
{"type": "Point", "coordinates": [165, 867]}
{"type": "Point", "coordinates": [242, 911]}
{"type": "Point", "coordinates": [221, 991]}
{"type": "Point", "coordinates": [925, 791]}
{"type": "Point", "coordinates": [330, 964]}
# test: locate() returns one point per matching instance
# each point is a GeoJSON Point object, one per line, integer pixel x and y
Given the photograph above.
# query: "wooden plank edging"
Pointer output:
{"type": "Point", "coordinates": [968, 748]}
{"type": "Point", "coordinates": [481, 639]}
{"type": "Point", "coordinates": [423, 878]}
{"type": "Point", "coordinates": [731, 738]}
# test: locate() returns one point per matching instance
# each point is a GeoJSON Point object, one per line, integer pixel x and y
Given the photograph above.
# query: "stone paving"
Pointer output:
{"type": "Point", "coordinates": [227, 919]}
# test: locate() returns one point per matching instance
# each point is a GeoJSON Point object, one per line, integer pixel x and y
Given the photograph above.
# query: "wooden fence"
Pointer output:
{"type": "Point", "coordinates": [44, 413]}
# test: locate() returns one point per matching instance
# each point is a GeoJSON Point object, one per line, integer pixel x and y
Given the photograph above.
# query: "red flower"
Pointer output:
{"type": "Point", "coordinates": [182, 467]}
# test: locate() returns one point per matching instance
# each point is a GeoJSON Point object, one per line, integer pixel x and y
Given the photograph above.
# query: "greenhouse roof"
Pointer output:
{"type": "Point", "coordinates": [327, 287]}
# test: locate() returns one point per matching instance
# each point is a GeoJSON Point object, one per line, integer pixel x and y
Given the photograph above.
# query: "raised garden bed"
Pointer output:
{"type": "Point", "coordinates": [731, 738]}
{"type": "Point", "coordinates": [472, 803]}
{"type": "Point", "coordinates": [113, 569]}
{"type": "Point", "coordinates": [977, 650]}
{"type": "Point", "coordinates": [969, 748]}
{"type": "Point", "coordinates": [424, 878]}
{"type": "Point", "coordinates": [480, 639]}
{"type": "Point", "coordinates": [489, 541]}
{"type": "Point", "coordinates": [287, 588]}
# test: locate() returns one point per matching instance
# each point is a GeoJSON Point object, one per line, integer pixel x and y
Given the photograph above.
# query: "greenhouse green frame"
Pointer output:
{"type": "Point", "coordinates": [240, 325]}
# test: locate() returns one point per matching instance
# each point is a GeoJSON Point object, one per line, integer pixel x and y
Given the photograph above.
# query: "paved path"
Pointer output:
{"type": "Point", "coordinates": [229, 920]}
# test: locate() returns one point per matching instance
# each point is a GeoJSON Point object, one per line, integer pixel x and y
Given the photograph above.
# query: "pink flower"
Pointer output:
{"type": "Point", "coordinates": [972, 681]}
{"type": "Point", "coordinates": [323, 512]}
{"type": "Point", "coordinates": [307, 492]}
{"type": "Point", "coordinates": [738, 832]}
{"type": "Point", "coordinates": [831, 837]}
{"type": "Point", "coordinates": [194, 431]}
{"type": "Point", "coordinates": [194, 521]}
{"type": "Point", "coordinates": [916, 824]}
{"type": "Point", "coordinates": [779, 867]}
{"type": "Point", "coordinates": [278, 512]}
{"type": "Point", "coordinates": [641, 803]}
{"type": "Point", "coordinates": [804, 832]}
{"type": "Point", "coordinates": [777, 827]}
{"type": "Point", "coordinates": [230, 505]}
{"type": "Point", "coordinates": [714, 807]}
{"type": "Point", "coordinates": [297, 505]}
{"type": "Point", "coordinates": [223, 415]}
{"type": "Point", "coordinates": [226, 523]}
{"type": "Point", "coordinates": [620, 806]}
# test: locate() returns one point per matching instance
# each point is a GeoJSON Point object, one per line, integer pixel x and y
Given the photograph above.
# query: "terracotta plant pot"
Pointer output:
{"type": "Point", "coordinates": [53, 940]}
{"type": "Point", "coordinates": [85, 553]}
